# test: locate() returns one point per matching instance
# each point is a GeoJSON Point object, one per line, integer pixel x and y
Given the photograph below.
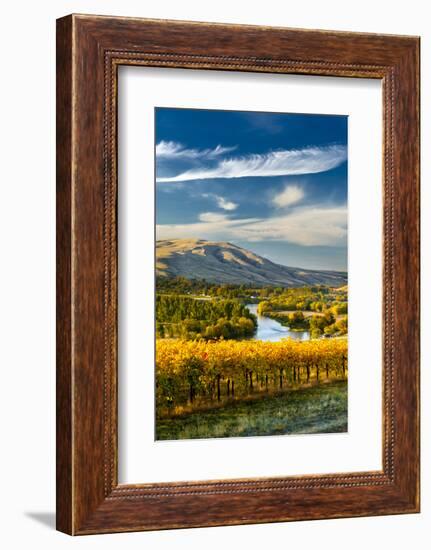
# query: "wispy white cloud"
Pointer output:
{"type": "Point", "coordinates": [310, 160]}
{"type": "Point", "coordinates": [212, 217]}
{"type": "Point", "coordinates": [223, 203]}
{"type": "Point", "coordinates": [174, 150]}
{"type": "Point", "coordinates": [291, 194]}
{"type": "Point", "coordinates": [311, 226]}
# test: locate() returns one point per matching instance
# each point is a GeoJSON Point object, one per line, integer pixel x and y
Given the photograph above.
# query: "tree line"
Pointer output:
{"type": "Point", "coordinates": [191, 318]}
{"type": "Point", "coordinates": [328, 305]}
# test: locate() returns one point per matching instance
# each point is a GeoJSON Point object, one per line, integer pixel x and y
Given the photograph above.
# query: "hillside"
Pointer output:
{"type": "Point", "coordinates": [222, 262]}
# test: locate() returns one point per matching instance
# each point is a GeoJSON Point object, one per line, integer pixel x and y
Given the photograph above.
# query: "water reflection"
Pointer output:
{"type": "Point", "coordinates": [270, 330]}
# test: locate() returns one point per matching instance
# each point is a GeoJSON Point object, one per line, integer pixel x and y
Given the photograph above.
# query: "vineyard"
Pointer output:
{"type": "Point", "coordinates": [194, 375]}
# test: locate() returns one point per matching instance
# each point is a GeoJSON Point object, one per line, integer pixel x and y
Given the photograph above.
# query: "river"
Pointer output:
{"type": "Point", "coordinates": [269, 330]}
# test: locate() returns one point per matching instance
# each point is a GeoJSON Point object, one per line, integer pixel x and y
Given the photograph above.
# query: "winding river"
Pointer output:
{"type": "Point", "coordinates": [270, 330]}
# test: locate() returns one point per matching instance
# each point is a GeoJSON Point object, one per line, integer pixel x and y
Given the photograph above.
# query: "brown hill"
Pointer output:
{"type": "Point", "coordinates": [222, 262]}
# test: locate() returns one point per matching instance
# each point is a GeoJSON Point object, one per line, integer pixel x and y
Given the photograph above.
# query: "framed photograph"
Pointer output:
{"type": "Point", "coordinates": [237, 274]}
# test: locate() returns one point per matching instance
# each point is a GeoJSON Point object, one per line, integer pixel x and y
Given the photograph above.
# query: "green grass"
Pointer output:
{"type": "Point", "coordinates": [317, 409]}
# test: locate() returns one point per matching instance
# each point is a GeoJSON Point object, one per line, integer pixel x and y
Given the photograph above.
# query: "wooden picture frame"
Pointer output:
{"type": "Point", "coordinates": [89, 51]}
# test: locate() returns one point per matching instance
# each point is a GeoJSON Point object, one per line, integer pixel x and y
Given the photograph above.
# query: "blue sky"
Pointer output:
{"type": "Point", "coordinates": [274, 183]}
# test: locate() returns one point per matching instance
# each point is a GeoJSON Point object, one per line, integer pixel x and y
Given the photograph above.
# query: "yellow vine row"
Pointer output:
{"type": "Point", "coordinates": [192, 371]}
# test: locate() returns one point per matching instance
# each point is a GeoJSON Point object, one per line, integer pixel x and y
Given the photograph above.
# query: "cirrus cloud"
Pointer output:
{"type": "Point", "coordinates": [173, 150]}
{"type": "Point", "coordinates": [310, 160]}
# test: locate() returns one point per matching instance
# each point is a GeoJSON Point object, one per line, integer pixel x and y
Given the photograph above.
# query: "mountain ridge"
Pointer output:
{"type": "Point", "coordinates": [224, 262]}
